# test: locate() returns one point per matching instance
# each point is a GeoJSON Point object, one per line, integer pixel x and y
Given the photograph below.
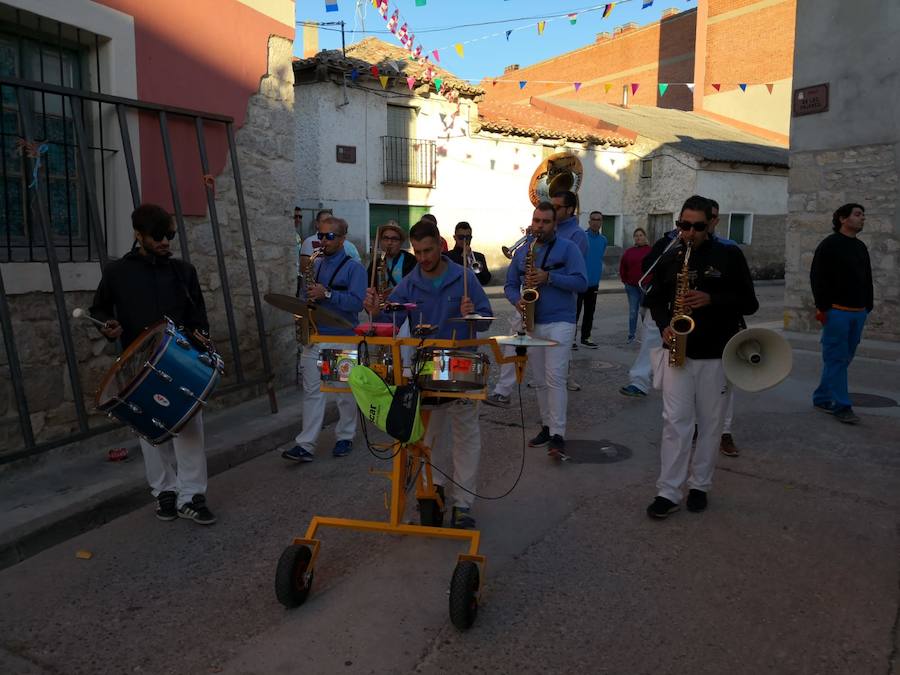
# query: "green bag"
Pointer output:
{"type": "Point", "coordinates": [374, 398]}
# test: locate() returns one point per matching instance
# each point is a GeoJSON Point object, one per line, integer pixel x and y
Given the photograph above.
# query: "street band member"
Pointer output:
{"type": "Point", "coordinates": [338, 285]}
{"type": "Point", "coordinates": [555, 268]}
{"type": "Point", "coordinates": [716, 290]}
{"type": "Point", "coordinates": [435, 286]}
{"type": "Point", "coordinates": [136, 292]}
{"type": "Point", "coordinates": [462, 236]}
{"type": "Point", "coordinates": [397, 262]}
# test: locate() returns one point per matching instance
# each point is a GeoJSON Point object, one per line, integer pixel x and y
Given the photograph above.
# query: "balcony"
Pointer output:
{"type": "Point", "coordinates": [408, 161]}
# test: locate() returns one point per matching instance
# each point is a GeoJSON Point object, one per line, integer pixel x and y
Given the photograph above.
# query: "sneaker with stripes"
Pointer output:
{"type": "Point", "coordinates": [197, 510]}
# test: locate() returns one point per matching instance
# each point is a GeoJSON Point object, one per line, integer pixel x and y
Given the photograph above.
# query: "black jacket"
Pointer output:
{"type": "Point", "coordinates": [408, 262]}
{"type": "Point", "coordinates": [721, 270]}
{"type": "Point", "coordinates": [139, 291]}
{"type": "Point", "coordinates": [484, 276]}
{"type": "Point", "coordinates": [841, 273]}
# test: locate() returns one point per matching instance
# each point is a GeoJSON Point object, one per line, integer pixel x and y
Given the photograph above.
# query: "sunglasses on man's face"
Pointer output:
{"type": "Point", "coordinates": [391, 239]}
{"type": "Point", "coordinates": [330, 236]}
{"type": "Point", "coordinates": [159, 237]}
{"type": "Point", "coordinates": [685, 225]}
{"type": "Point", "coordinates": [463, 237]}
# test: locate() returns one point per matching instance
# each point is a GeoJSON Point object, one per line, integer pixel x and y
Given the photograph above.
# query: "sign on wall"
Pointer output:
{"type": "Point", "coordinates": [810, 100]}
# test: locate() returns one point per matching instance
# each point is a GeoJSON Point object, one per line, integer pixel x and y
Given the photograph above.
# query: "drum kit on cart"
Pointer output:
{"type": "Point", "coordinates": [441, 369]}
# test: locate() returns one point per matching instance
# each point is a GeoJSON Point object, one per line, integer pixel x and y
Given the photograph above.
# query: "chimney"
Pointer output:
{"type": "Point", "coordinates": [626, 28]}
{"type": "Point", "coordinates": [666, 13]}
{"type": "Point", "coordinates": [603, 37]}
{"type": "Point", "coordinates": [510, 68]}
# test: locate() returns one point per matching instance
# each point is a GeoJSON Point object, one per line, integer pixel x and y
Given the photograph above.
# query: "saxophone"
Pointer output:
{"type": "Point", "coordinates": [681, 323]}
{"type": "Point", "coordinates": [305, 324]}
{"type": "Point", "coordinates": [529, 295]}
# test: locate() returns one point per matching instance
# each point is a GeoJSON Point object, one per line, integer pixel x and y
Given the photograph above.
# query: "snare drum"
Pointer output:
{"type": "Point", "coordinates": [335, 364]}
{"type": "Point", "coordinates": [159, 382]}
{"type": "Point", "coordinates": [452, 370]}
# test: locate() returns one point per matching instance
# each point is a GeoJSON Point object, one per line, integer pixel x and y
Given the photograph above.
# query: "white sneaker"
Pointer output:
{"type": "Point", "coordinates": [498, 400]}
{"type": "Point", "coordinates": [572, 385]}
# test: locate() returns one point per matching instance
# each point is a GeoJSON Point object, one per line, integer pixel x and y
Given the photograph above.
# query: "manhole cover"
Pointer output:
{"type": "Point", "coordinates": [602, 365]}
{"type": "Point", "coordinates": [596, 452]}
{"type": "Point", "coordinates": [872, 401]}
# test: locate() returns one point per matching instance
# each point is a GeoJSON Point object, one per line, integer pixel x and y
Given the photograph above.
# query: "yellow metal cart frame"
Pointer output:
{"type": "Point", "coordinates": [296, 566]}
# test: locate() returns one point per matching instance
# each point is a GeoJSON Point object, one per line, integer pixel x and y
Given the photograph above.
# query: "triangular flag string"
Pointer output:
{"type": "Point", "coordinates": [743, 86]}
{"type": "Point", "coordinates": [540, 27]}
{"type": "Point", "coordinates": [770, 87]}
{"type": "Point", "coordinates": [573, 18]}
{"type": "Point", "coordinates": [717, 87]}
{"type": "Point", "coordinates": [577, 85]}
{"type": "Point", "coordinates": [663, 86]}
{"type": "Point", "coordinates": [634, 88]}
{"type": "Point", "coordinates": [522, 84]}
{"type": "Point", "coordinates": [608, 9]}
{"type": "Point", "coordinates": [459, 49]}
{"type": "Point", "coordinates": [384, 81]}
{"type": "Point", "coordinates": [689, 85]}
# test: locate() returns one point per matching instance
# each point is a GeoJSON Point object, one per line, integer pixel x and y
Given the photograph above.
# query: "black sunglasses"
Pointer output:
{"type": "Point", "coordinates": [159, 237]}
{"type": "Point", "coordinates": [684, 225]}
{"type": "Point", "coordinates": [330, 236]}
{"type": "Point", "coordinates": [383, 238]}
{"type": "Point", "coordinates": [464, 237]}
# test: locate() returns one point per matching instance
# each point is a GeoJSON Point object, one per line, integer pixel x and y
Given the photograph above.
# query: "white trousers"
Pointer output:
{"type": "Point", "coordinates": [454, 433]}
{"type": "Point", "coordinates": [178, 465]}
{"type": "Point", "coordinates": [694, 393]}
{"type": "Point", "coordinates": [641, 369]}
{"type": "Point", "coordinates": [729, 412]}
{"type": "Point", "coordinates": [550, 369]}
{"type": "Point", "coordinates": [507, 380]}
{"type": "Point", "coordinates": [314, 400]}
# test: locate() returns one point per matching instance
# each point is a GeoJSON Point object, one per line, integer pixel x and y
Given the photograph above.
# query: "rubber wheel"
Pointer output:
{"type": "Point", "coordinates": [430, 514]}
{"type": "Point", "coordinates": [464, 594]}
{"type": "Point", "coordinates": [291, 581]}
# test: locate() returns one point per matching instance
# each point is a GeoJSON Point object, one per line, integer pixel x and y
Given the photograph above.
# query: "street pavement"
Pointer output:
{"type": "Point", "coordinates": [794, 567]}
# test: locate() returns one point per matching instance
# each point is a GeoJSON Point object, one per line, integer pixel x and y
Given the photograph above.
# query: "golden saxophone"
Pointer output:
{"type": "Point", "coordinates": [529, 295]}
{"type": "Point", "coordinates": [681, 323]}
{"type": "Point", "coordinates": [305, 324]}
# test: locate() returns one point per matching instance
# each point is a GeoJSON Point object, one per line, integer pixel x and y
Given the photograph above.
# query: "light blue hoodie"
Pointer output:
{"type": "Point", "coordinates": [348, 289]}
{"type": "Point", "coordinates": [567, 278]}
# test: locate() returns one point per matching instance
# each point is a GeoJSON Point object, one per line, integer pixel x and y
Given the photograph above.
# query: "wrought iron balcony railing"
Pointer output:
{"type": "Point", "coordinates": [408, 161]}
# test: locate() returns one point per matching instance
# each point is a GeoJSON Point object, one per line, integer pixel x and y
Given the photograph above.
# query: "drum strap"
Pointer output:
{"type": "Point", "coordinates": [335, 273]}
{"type": "Point", "coordinates": [547, 253]}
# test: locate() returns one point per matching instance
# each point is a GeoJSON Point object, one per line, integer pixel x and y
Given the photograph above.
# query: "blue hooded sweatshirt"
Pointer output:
{"type": "Point", "coordinates": [347, 280]}
{"type": "Point", "coordinates": [596, 250]}
{"type": "Point", "coordinates": [567, 278]}
{"type": "Point", "coordinates": [438, 303]}
{"type": "Point", "coordinates": [569, 229]}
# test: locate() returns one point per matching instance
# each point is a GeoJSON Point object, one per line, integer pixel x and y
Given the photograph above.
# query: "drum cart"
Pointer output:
{"type": "Point", "coordinates": [296, 567]}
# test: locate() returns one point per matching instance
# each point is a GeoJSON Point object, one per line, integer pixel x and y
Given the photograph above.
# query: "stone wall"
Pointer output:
{"type": "Point", "coordinates": [820, 181]}
{"type": "Point", "coordinates": [265, 146]}
{"type": "Point", "coordinates": [765, 255]}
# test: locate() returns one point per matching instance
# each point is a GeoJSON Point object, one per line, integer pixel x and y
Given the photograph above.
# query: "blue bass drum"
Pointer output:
{"type": "Point", "coordinates": [159, 382]}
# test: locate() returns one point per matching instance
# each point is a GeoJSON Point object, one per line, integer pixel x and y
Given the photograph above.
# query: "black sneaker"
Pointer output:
{"type": "Point", "coordinates": [661, 508]}
{"type": "Point", "coordinates": [846, 415]}
{"type": "Point", "coordinates": [165, 506]}
{"type": "Point", "coordinates": [556, 448]}
{"type": "Point", "coordinates": [696, 501]}
{"type": "Point", "coordinates": [589, 344]}
{"type": "Point", "coordinates": [829, 407]}
{"type": "Point", "coordinates": [197, 511]}
{"type": "Point", "coordinates": [541, 439]}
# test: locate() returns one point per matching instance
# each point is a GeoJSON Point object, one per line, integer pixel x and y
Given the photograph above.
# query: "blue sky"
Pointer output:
{"type": "Point", "coordinates": [487, 57]}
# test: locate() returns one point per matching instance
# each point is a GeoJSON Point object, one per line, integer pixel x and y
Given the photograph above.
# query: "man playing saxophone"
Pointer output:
{"type": "Point", "coordinates": [552, 271]}
{"type": "Point", "coordinates": [709, 283]}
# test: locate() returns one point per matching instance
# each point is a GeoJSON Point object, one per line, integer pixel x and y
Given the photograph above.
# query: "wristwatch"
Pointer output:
{"type": "Point", "coordinates": [328, 294]}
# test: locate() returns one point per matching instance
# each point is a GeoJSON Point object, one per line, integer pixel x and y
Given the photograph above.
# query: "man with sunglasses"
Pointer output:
{"type": "Point", "coordinates": [136, 292]}
{"type": "Point", "coordinates": [307, 247]}
{"type": "Point", "coordinates": [721, 294]}
{"type": "Point", "coordinates": [340, 287]}
{"type": "Point", "coordinates": [462, 236]}
{"type": "Point", "coordinates": [397, 262]}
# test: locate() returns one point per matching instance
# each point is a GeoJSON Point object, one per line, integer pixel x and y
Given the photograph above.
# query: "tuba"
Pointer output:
{"type": "Point", "coordinates": [529, 295]}
{"type": "Point", "coordinates": [682, 324]}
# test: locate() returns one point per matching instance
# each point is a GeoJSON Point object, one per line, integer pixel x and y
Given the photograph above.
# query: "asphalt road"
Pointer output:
{"type": "Point", "coordinates": [794, 568]}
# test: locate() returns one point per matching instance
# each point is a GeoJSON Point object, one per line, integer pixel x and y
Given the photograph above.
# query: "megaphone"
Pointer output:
{"type": "Point", "coordinates": [757, 359]}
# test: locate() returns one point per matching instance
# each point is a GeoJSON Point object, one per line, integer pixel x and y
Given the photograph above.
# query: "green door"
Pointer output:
{"type": "Point", "coordinates": [404, 214]}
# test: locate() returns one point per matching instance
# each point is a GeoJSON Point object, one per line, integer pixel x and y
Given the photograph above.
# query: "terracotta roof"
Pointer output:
{"type": "Point", "coordinates": [371, 51]}
{"type": "Point", "coordinates": [526, 120]}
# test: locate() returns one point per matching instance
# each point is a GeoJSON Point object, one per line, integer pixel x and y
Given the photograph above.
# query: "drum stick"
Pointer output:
{"type": "Point", "coordinates": [79, 313]}
{"type": "Point", "coordinates": [465, 274]}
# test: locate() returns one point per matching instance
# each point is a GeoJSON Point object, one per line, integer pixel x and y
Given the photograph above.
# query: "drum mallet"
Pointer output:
{"type": "Point", "coordinates": [79, 313]}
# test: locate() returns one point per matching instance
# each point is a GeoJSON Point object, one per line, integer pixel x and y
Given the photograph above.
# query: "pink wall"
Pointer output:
{"type": "Point", "coordinates": [206, 55]}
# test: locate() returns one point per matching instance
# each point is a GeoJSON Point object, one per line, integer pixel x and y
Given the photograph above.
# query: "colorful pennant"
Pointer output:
{"type": "Point", "coordinates": [508, 33]}
{"type": "Point", "coordinates": [374, 71]}
{"type": "Point", "coordinates": [331, 6]}
{"type": "Point", "coordinates": [663, 86]}
{"type": "Point", "coordinates": [577, 86]}
{"type": "Point", "coordinates": [420, 3]}
{"type": "Point", "coordinates": [437, 57]}
{"type": "Point", "coordinates": [634, 88]}
{"type": "Point", "coordinates": [607, 87]}
{"type": "Point", "coordinates": [460, 49]}
{"type": "Point", "coordinates": [646, 4]}
{"type": "Point", "coordinates": [354, 75]}
{"type": "Point", "coordinates": [717, 86]}
{"type": "Point", "coordinates": [743, 86]}
{"type": "Point", "coordinates": [690, 86]}
{"type": "Point", "coordinates": [522, 84]}
{"type": "Point", "coordinates": [770, 87]}
{"type": "Point", "coordinates": [410, 82]}
{"type": "Point", "coordinates": [438, 83]}
{"type": "Point", "coordinates": [384, 80]}
{"type": "Point", "coordinates": [608, 9]}
{"type": "Point", "coordinates": [540, 26]}
{"type": "Point", "coordinates": [573, 18]}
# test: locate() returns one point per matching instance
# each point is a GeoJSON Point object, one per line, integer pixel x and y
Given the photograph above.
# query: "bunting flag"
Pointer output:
{"type": "Point", "coordinates": [522, 84]}
{"type": "Point", "coordinates": [420, 3]}
{"type": "Point", "coordinates": [717, 87]}
{"type": "Point", "coordinates": [541, 25]}
{"type": "Point", "coordinates": [374, 71]}
{"type": "Point", "coordinates": [354, 75]}
{"type": "Point", "coordinates": [331, 6]}
{"type": "Point", "coordinates": [393, 64]}
{"type": "Point", "coordinates": [508, 33]}
{"type": "Point", "coordinates": [437, 57]}
{"type": "Point", "coordinates": [770, 87]}
{"type": "Point", "coordinates": [383, 8]}
{"type": "Point", "coordinates": [690, 86]}
{"type": "Point", "coordinates": [384, 80]}
{"type": "Point", "coordinates": [573, 18]}
{"type": "Point", "coordinates": [577, 85]}
{"type": "Point", "coordinates": [608, 9]}
{"type": "Point", "coordinates": [438, 83]}
{"type": "Point", "coordinates": [662, 89]}
{"type": "Point", "coordinates": [646, 4]}
{"type": "Point", "coordinates": [743, 86]}
{"type": "Point", "coordinates": [402, 34]}
{"type": "Point", "coordinates": [375, 4]}
{"type": "Point", "coordinates": [395, 19]}
{"type": "Point", "coordinates": [634, 88]}
{"type": "Point", "coordinates": [494, 83]}
{"type": "Point", "coordinates": [410, 82]}
{"type": "Point", "coordinates": [607, 87]}
{"type": "Point", "coordinates": [460, 49]}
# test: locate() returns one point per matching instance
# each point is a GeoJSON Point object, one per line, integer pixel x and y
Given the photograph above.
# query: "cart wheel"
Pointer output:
{"type": "Point", "coordinates": [464, 594]}
{"type": "Point", "coordinates": [292, 581]}
{"type": "Point", "coordinates": [430, 514]}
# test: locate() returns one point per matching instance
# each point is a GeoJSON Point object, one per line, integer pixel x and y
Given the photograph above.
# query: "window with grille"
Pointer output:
{"type": "Point", "coordinates": [29, 55]}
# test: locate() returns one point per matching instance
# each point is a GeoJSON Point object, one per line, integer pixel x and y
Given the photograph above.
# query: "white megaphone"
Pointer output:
{"type": "Point", "coordinates": [757, 359]}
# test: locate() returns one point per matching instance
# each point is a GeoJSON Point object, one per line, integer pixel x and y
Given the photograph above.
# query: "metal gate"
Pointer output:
{"type": "Point", "coordinates": [26, 134]}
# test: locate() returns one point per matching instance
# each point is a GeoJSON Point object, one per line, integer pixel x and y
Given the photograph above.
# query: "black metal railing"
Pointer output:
{"type": "Point", "coordinates": [409, 161]}
{"type": "Point", "coordinates": [27, 131]}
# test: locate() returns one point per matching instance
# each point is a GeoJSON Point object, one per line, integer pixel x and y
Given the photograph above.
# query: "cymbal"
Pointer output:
{"type": "Point", "coordinates": [524, 341]}
{"type": "Point", "coordinates": [301, 308]}
{"type": "Point", "coordinates": [472, 317]}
